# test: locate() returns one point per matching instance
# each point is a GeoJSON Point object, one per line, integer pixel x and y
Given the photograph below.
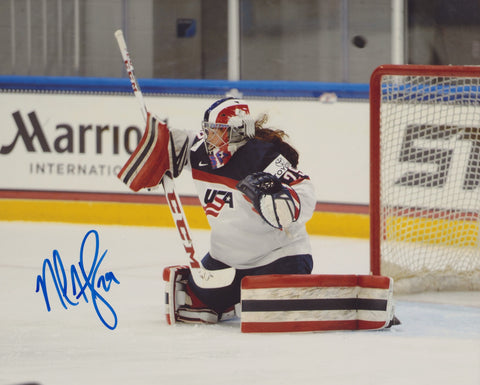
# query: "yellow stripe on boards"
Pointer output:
{"type": "Point", "coordinates": [130, 214]}
{"type": "Point", "coordinates": [339, 224]}
{"type": "Point", "coordinates": [446, 232]}
{"type": "Point", "coordinates": [142, 214]}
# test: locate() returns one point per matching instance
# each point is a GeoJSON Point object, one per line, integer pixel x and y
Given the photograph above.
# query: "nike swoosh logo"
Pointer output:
{"type": "Point", "coordinates": [202, 164]}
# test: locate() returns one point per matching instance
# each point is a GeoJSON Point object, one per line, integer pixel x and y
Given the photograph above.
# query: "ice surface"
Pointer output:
{"type": "Point", "coordinates": [437, 343]}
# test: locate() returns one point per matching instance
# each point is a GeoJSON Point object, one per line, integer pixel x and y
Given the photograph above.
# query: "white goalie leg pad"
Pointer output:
{"type": "Point", "coordinates": [380, 290]}
{"type": "Point", "coordinates": [303, 303]}
{"type": "Point", "coordinates": [175, 278]}
{"type": "Point", "coordinates": [179, 304]}
{"type": "Point", "coordinates": [191, 315]}
{"type": "Point", "coordinates": [203, 315]}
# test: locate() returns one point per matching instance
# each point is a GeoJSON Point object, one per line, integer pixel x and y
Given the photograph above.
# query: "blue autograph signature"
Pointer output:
{"type": "Point", "coordinates": [59, 278]}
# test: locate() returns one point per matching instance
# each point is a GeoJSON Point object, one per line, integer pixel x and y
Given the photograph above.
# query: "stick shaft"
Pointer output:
{"type": "Point", "coordinates": [174, 203]}
{"type": "Point", "coordinates": [202, 277]}
{"type": "Point", "coordinates": [127, 61]}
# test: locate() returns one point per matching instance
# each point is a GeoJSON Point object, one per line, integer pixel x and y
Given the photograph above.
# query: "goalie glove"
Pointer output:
{"type": "Point", "coordinates": [277, 203]}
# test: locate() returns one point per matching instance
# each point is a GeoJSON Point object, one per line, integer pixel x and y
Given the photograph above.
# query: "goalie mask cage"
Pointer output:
{"type": "Point", "coordinates": [425, 176]}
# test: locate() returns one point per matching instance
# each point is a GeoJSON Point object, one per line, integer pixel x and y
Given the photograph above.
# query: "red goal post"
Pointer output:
{"type": "Point", "coordinates": [425, 176]}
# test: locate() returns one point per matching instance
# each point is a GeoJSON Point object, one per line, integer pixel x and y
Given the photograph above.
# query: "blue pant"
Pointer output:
{"type": "Point", "coordinates": [220, 299]}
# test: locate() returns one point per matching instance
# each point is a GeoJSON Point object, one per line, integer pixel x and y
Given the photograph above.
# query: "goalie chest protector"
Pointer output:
{"type": "Point", "coordinates": [239, 235]}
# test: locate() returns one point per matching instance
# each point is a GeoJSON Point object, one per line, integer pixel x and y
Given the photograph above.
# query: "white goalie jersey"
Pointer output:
{"type": "Point", "coordinates": [240, 237]}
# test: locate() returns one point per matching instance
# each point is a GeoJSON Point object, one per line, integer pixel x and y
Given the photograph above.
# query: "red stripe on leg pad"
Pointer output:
{"type": "Point", "coordinates": [172, 269]}
{"type": "Point", "coordinates": [306, 326]}
{"type": "Point", "coordinates": [369, 325]}
{"type": "Point", "coordinates": [314, 280]}
{"type": "Point", "coordinates": [297, 280]}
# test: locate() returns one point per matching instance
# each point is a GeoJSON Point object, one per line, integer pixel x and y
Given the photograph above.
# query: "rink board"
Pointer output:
{"type": "Point", "coordinates": [334, 223]}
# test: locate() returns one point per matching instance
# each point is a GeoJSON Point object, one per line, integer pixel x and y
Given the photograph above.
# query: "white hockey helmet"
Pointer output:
{"type": "Point", "coordinates": [225, 123]}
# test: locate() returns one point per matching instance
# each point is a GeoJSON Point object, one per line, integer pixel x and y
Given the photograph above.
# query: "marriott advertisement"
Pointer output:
{"type": "Point", "coordinates": [66, 142]}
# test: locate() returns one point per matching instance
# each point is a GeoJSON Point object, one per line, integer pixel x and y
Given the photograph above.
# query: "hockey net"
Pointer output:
{"type": "Point", "coordinates": [425, 176]}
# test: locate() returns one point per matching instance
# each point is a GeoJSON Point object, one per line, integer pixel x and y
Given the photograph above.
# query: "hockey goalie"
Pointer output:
{"type": "Point", "coordinates": [257, 203]}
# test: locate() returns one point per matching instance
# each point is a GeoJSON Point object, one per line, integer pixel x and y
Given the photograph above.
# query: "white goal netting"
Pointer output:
{"type": "Point", "coordinates": [429, 181]}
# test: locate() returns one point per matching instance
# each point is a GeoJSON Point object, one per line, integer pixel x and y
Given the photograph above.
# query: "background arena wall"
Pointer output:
{"type": "Point", "coordinates": [63, 140]}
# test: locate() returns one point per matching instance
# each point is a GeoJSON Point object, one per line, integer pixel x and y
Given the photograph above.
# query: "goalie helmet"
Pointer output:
{"type": "Point", "coordinates": [226, 125]}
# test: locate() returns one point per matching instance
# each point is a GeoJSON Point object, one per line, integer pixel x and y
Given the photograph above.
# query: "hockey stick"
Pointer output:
{"type": "Point", "coordinates": [204, 278]}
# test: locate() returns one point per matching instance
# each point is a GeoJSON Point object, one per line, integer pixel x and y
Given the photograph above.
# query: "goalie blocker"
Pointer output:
{"type": "Point", "coordinates": [304, 303]}
{"type": "Point", "coordinates": [157, 153]}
